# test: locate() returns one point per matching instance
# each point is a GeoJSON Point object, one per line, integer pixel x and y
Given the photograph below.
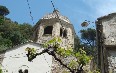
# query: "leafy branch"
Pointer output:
{"type": "Point", "coordinates": [53, 48]}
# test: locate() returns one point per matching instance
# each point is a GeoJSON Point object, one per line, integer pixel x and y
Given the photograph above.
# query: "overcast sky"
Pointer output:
{"type": "Point", "coordinates": [76, 10]}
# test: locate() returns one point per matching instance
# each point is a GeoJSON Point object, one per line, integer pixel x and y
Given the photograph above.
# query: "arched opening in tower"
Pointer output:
{"type": "Point", "coordinates": [61, 32]}
{"type": "Point", "coordinates": [48, 30]}
{"type": "Point", "coordinates": [65, 33]}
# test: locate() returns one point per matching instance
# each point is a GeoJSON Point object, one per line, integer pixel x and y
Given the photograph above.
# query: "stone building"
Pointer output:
{"type": "Point", "coordinates": [54, 25]}
{"type": "Point", "coordinates": [106, 41]}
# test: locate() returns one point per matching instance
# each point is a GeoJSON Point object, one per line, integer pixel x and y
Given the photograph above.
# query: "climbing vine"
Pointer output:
{"type": "Point", "coordinates": [53, 48]}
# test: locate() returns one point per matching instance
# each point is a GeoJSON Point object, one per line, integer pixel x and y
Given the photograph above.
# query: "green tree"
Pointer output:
{"type": "Point", "coordinates": [77, 43]}
{"type": "Point", "coordinates": [88, 42]}
{"type": "Point", "coordinates": [26, 31]}
{"type": "Point", "coordinates": [4, 11]}
{"type": "Point", "coordinates": [4, 43]}
{"type": "Point", "coordinates": [88, 36]}
{"type": "Point", "coordinates": [13, 33]}
{"type": "Point", "coordinates": [0, 70]}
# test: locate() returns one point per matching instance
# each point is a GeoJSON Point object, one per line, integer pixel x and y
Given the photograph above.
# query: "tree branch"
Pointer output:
{"type": "Point", "coordinates": [34, 55]}
{"type": "Point", "coordinates": [55, 57]}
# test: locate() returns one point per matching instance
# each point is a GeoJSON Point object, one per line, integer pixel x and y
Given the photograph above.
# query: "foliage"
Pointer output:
{"type": "Point", "coordinates": [12, 33]}
{"type": "Point", "coordinates": [75, 65]}
{"type": "Point", "coordinates": [1, 20]}
{"type": "Point", "coordinates": [80, 55]}
{"type": "Point", "coordinates": [77, 43]}
{"type": "Point", "coordinates": [4, 11]}
{"type": "Point", "coordinates": [31, 51]}
{"type": "Point", "coordinates": [88, 41]}
{"type": "Point", "coordinates": [82, 58]}
{"type": "Point", "coordinates": [53, 42]}
{"type": "Point", "coordinates": [0, 70]}
{"type": "Point", "coordinates": [89, 36]}
{"type": "Point", "coordinates": [95, 71]}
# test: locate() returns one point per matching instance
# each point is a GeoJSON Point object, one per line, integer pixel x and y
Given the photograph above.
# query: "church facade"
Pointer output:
{"type": "Point", "coordinates": [51, 25]}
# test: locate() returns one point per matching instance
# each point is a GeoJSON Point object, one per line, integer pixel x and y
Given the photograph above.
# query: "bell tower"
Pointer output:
{"type": "Point", "coordinates": [54, 25]}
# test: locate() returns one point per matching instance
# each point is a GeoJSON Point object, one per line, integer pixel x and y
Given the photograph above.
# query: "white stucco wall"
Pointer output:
{"type": "Point", "coordinates": [41, 64]}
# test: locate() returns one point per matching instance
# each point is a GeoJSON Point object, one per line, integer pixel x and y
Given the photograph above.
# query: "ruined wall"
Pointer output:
{"type": "Point", "coordinates": [109, 31]}
{"type": "Point", "coordinates": [106, 40]}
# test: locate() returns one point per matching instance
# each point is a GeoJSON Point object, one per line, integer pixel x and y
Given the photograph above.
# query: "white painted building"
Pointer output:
{"type": "Point", "coordinates": [15, 60]}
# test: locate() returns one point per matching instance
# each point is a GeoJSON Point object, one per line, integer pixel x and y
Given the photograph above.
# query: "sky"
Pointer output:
{"type": "Point", "coordinates": [76, 10]}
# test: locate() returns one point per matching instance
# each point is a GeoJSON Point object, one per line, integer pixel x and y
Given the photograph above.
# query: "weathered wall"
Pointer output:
{"type": "Point", "coordinates": [109, 31]}
{"type": "Point", "coordinates": [106, 43]}
{"type": "Point", "coordinates": [67, 41]}
{"type": "Point", "coordinates": [112, 60]}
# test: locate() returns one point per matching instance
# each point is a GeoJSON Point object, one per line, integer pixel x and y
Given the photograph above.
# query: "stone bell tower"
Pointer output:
{"type": "Point", "coordinates": [54, 25]}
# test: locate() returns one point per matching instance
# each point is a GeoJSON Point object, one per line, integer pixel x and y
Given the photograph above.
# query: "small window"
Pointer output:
{"type": "Point", "coordinates": [20, 71]}
{"type": "Point", "coordinates": [61, 31]}
{"type": "Point", "coordinates": [65, 33]}
{"type": "Point", "coordinates": [25, 71]}
{"type": "Point", "coordinates": [48, 30]}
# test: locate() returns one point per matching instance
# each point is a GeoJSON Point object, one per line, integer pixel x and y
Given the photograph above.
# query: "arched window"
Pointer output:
{"type": "Point", "coordinates": [20, 71]}
{"type": "Point", "coordinates": [48, 30]}
{"type": "Point", "coordinates": [25, 71]}
{"type": "Point", "coordinates": [65, 33]}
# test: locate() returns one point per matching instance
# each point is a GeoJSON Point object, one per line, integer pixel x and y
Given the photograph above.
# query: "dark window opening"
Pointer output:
{"type": "Point", "coordinates": [61, 31]}
{"type": "Point", "coordinates": [65, 33]}
{"type": "Point", "coordinates": [25, 71]}
{"type": "Point", "coordinates": [48, 30]}
{"type": "Point", "coordinates": [20, 71]}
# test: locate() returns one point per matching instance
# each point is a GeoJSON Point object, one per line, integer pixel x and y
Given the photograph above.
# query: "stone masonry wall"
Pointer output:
{"type": "Point", "coordinates": [66, 41]}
